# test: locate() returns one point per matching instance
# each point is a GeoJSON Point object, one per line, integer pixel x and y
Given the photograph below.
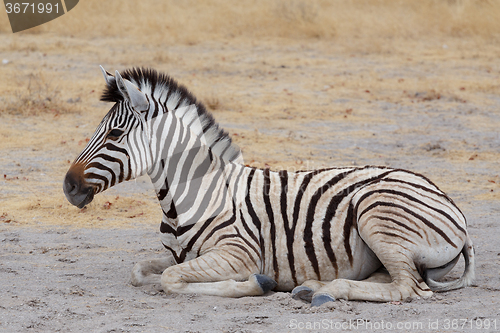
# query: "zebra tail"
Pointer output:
{"type": "Point", "coordinates": [467, 278]}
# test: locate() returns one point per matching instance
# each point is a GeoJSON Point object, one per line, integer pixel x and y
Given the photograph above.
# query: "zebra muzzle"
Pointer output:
{"type": "Point", "coordinates": [77, 191]}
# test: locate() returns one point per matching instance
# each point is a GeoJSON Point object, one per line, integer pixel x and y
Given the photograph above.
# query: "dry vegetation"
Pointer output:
{"type": "Point", "coordinates": [34, 97]}
{"type": "Point", "coordinates": [196, 21]}
{"type": "Point", "coordinates": [263, 66]}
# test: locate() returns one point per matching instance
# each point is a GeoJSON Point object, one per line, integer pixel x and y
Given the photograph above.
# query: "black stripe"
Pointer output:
{"type": "Point", "coordinates": [134, 141]}
{"type": "Point", "coordinates": [111, 147]}
{"type": "Point", "coordinates": [156, 108]}
{"type": "Point", "coordinates": [202, 169]}
{"type": "Point", "coordinates": [144, 144]}
{"type": "Point", "coordinates": [290, 230]}
{"type": "Point", "coordinates": [437, 191]}
{"type": "Point", "coordinates": [270, 215]}
{"type": "Point", "coordinates": [129, 165]}
{"type": "Point", "coordinates": [162, 193]}
{"type": "Point", "coordinates": [195, 237]}
{"type": "Point", "coordinates": [179, 101]}
{"type": "Point", "coordinates": [161, 153]}
{"type": "Point", "coordinates": [248, 230]}
{"type": "Point", "coordinates": [237, 181]}
{"type": "Point", "coordinates": [421, 218]}
{"type": "Point", "coordinates": [391, 234]}
{"type": "Point", "coordinates": [180, 146]}
{"type": "Point", "coordinates": [238, 258]}
{"type": "Point", "coordinates": [229, 263]}
{"type": "Point", "coordinates": [349, 222]}
{"type": "Point", "coordinates": [103, 167]}
{"type": "Point", "coordinates": [426, 189]}
{"type": "Point", "coordinates": [97, 137]}
{"type": "Point", "coordinates": [383, 218]}
{"type": "Point", "coordinates": [170, 91]}
{"type": "Point", "coordinates": [177, 258]}
{"type": "Point", "coordinates": [244, 249]}
{"type": "Point", "coordinates": [172, 212]}
{"type": "Point", "coordinates": [207, 197]}
{"type": "Point", "coordinates": [182, 229]}
{"type": "Point", "coordinates": [248, 243]}
{"type": "Point", "coordinates": [170, 138]}
{"type": "Point", "coordinates": [288, 233]}
{"type": "Point", "coordinates": [411, 198]}
{"type": "Point", "coordinates": [219, 227]}
{"type": "Point", "coordinates": [105, 180]}
{"type": "Point", "coordinates": [221, 238]}
{"type": "Point", "coordinates": [308, 233]}
{"type": "Point", "coordinates": [165, 228]}
{"type": "Point", "coordinates": [317, 171]}
{"type": "Point", "coordinates": [114, 160]}
{"type": "Point", "coordinates": [223, 152]}
{"type": "Point", "coordinates": [185, 183]}
{"type": "Point", "coordinates": [255, 219]}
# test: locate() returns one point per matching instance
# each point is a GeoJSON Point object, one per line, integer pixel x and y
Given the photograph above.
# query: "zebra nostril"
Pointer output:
{"type": "Point", "coordinates": [70, 188]}
{"type": "Point", "coordinates": [70, 185]}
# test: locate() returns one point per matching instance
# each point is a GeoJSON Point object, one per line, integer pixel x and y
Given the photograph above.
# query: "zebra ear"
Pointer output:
{"type": "Point", "coordinates": [135, 97]}
{"type": "Point", "coordinates": [107, 76]}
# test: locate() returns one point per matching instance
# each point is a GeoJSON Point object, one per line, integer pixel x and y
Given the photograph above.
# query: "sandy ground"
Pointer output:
{"type": "Point", "coordinates": [430, 106]}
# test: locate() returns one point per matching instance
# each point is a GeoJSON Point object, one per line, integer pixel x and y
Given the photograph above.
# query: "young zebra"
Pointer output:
{"type": "Point", "coordinates": [367, 233]}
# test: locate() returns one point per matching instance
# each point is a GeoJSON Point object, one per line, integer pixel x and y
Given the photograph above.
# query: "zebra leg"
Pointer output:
{"type": "Point", "coordinates": [381, 276]}
{"type": "Point", "coordinates": [403, 282]}
{"type": "Point", "coordinates": [217, 273]}
{"type": "Point", "coordinates": [149, 271]}
{"type": "Point", "coordinates": [306, 290]}
{"type": "Point", "coordinates": [404, 286]}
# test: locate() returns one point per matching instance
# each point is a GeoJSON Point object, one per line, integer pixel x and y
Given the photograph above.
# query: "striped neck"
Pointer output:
{"type": "Point", "coordinates": [186, 173]}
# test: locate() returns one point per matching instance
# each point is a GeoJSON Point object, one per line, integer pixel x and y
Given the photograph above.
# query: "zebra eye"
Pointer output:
{"type": "Point", "coordinates": [114, 134]}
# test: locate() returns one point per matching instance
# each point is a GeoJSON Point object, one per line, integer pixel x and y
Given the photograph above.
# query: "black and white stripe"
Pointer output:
{"type": "Point", "coordinates": [327, 231]}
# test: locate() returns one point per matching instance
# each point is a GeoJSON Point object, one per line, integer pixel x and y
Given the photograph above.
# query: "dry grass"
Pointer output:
{"type": "Point", "coordinates": [195, 21]}
{"type": "Point", "coordinates": [36, 95]}
{"type": "Point", "coordinates": [258, 65]}
{"type": "Point", "coordinates": [212, 102]}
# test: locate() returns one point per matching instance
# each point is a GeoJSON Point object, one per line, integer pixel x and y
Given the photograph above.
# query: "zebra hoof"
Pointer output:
{"type": "Point", "coordinates": [302, 292]}
{"type": "Point", "coordinates": [265, 282]}
{"type": "Point", "coordinates": [321, 299]}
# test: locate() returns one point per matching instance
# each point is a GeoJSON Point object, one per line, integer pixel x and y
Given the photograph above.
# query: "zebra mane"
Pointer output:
{"type": "Point", "coordinates": [175, 96]}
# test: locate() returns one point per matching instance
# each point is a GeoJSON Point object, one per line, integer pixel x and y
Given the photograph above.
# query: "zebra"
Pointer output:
{"type": "Point", "coordinates": [358, 233]}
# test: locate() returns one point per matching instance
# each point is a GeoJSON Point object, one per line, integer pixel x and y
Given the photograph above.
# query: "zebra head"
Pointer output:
{"type": "Point", "coordinates": [116, 152]}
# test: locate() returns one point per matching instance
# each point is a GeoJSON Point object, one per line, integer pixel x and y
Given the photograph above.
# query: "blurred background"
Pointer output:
{"type": "Point", "coordinates": [194, 21]}
{"type": "Point", "coordinates": [298, 84]}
